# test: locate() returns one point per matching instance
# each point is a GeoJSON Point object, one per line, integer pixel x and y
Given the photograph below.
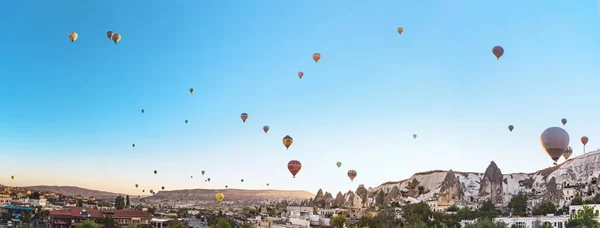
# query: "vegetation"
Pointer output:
{"type": "Point", "coordinates": [339, 220]}
{"type": "Point", "coordinates": [109, 222]}
{"type": "Point", "coordinates": [131, 225]}
{"type": "Point", "coordinates": [247, 225]}
{"type": "Point", "coordinates": [518, 204]}
{"type": "Point", "coordinates": [176, 224]}
{"type": "Point", "coordinates": [217, 221]}
{"type": "Point", "coordinates": [223, 223]}
{"type": "Point", "coordinates": [127, 202]}
{"type": "Point", "coordinates": [586, 217]}
{"type": "Point", "coordinates": [577, 200]}
{"type": "Point", "coordinates": [120, 202]}
{"type": "Point", "coordinates": [487, 223]}
{"type": "Point", "coordinates": [88, 224]}
{"type": "Point", "coordinates": [544, 208]}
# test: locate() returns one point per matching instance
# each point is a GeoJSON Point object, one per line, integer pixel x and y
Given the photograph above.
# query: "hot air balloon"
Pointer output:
{"type": "Point", "coordinates": [563, 121]}
{"type": "Point", "coordinates": [73, 36]}
{"type": "Point", "coordinates": [266, 129]}
{"type": "Point", "coordinates": [511, 127]}
{"type": "Point", "coordinates": [242, 180]}
{"type": "Point", "coordinates": [584, 141]}
{"type": "Point", "coordinates": [294, 167]}
{"type": "Point", "coordinates": [186, 121]}
{"type": "Point", "coordinates": [155, 171]}
{"type": "Point", "coordinates": [136, 185]}
{"type": "Point", "coordinates": [208, 179]}
{"type": "Point", "coordinates": [143, 190]}
{"type": "Point", "coordinates": [400, 30]}
{"type": "Point", "coordinates": [414, 136]}
{"type": "Point", "coordinates": [133, 145]}
{"type": "Point", "coordinates": [153, 193]}
{"type": "Point", "coordinates": [267, 184]}
{"type": "Point", "coordinates": [116, 38]}
{"type": "Point", "coordinates": [226, 186]}
{"type": "Point", "coordinates": [28, 192]}
{"type": "Point", "coordinates": [316, 57]}
{"type": "Point", "coordinates": [191, 90]}
{"type": "Point", "coordinates": [498, 51]}
{"type": "Point", "coordinates": [12, 177]}
{"type": "Point", "coordinates": [352, 174]}
{"type": "Point", "coordinates": [244, 117]}
{"type": "Point", "coordinates": [555, 141]}
{"type": "Point", "coordinates": [338, 164]}
{"type": "Point", "coordinates": [202, 172]}
{"type": "Point", "coordinates": [109, 34]}
{"type": "Point", "coordinates": [143, 111]}
{"type": "Point", "coordinates": [191, 176]}
{"type": "Point", "coordinates": [300, 74]}
{"type": "Point", "coordinates": [163, 187]}
{"type": "Point", "coordinates": [287, 141]}
{"type": "Point", "coordinates": [219, 197]}
{"type": "Point", "coordinates": [568, 152]}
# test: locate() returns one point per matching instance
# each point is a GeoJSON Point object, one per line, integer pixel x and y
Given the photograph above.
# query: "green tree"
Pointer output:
{"type": "Point", "coordinates": [253, 211]}
{"type": "Point", "coordinates": [119, 202]}
{"type": "Point", "coordinates": [182, 213]}
{"type": "Point", "coordinates": [131, 225]}
{"type": "Point", "coordinates": [88, 224]}
{"type": "Point", "coordinates": [486, 223]}
{"type": "Point", "coordinates": [586, 217]}
{"type": "Point", "coordinates": [34, 195]}
{"type": "Point", "coordinates": [247, 225]}
{"type": "Point", "coordinates": [518, 204]}
{"type": "Point", "coordinates": [127, 202]}
{"type": "Point", "coordinates": [109, 222]}
{"type": "Point", "coordinates": [577, 200]}
{"type": "Point", "coordinates": [466, 213]}
{"type": "Point", "coordinates": [176, 224]}
{"type": "Point", "coordinates": [416, 224]}
{"type": "Point", "coordinates": [79, 203]}
{"type": "Point", "coordinates": [544, 208]}
{"type": "Point", "coordinates": [487, 210]}
{"type": "Point", "coordinates": [222, 223]}
{"type": "Point", "coordinates": [26, 218]}
{"type": "Point", "coordinates": [339, 220]}
{"type": "Point", "coordinates": [151, 210]}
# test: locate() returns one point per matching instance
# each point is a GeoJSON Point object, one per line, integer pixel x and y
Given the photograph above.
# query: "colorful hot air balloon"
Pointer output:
{"type": "Point", "coordinates": [116, 38]}
{"type": "Point", "coordinates": [155, 171]}
{"type": "Point", "coordinates": [563, 121]}
{"type": "Point", "coordinates": [266, 129]}
{"type": "Point", "coordinates": [244, 117]}
{"type": "Point", "coordinates": [584, 141]}
{"type": "Point", "coordinates": [555, 141]}
{"type": "Point", "coordinates": [338, 164]}
{"type": "Point", "coordinates": [143, 111]}
{"type": "Point", "coordinates": [287, 141]}
{"type": "Point", "coordinates": [511, 127]}
{"type": "Point", "coordinates": [109, 34]}
{"type": "Point", "coordinates": [300, 74]}
{"type": "Point", "coordinates": [294, 167]}
{"type": "Point", "coordinates": [186, 121]}
{"type": "Point", "coordinates": [400, 30]}
{"type": "Point", "coordinates": [219, 197]}
{"type": "Point", "coordinates": [498, 51]}
{"type": "Point", "coordinates": [568, 152]}
{"type": "Point", "coordinates": [202, 172]}
{"type": "Point", "coordinates": [73, 36]}
{"type": "Point", "coordinates": [352, 174]}
{"type": "Point", "coordinates": [12, 177]}
{"type": "Point", "coordinates": [316, 57]}
{"type": "Point", "coordinates": [133, 145]}
{"type": "Point", "coordinates": [242, 180]}
{"type": "Point", "coordinates": [163, 187]}
{"type": "Point", "coordinates": [414, 136]}
{"type": "Point", "coordinates": [191, 90]}
{"type": "Point", "coordinates": [136, 185]}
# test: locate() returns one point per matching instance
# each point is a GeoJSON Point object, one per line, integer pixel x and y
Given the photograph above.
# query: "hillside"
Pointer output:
{"type": "Point", "coordinates": [230, 195]}
{"type": "Point", "coordinates": [448, 187]}
{"type": "Point", "coordinates": [72, 190]}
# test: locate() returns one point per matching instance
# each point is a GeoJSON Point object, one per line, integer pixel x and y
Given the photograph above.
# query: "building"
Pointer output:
{"type": "Point", "coordinates": [127, 217]}
{"type": "Point", "coordinates": [38, 202]}
{"type": "Point", "coordinates": [530, 222]}
{"type": "Point", "coordinates": [5, 199]}
{"type": "Point", "coordinates": [71, 217]}
{"type": "Point", "coordinates": [300, 212]}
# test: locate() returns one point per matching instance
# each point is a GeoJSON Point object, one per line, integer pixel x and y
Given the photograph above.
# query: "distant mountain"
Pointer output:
{"type": "Point", "coordinates": [230, 195]}
{"type": "Point", "coordinates": [72, 190]}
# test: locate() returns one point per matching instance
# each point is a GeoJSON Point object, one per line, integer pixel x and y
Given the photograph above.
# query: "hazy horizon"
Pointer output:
{"type": "Point", "coordinates": [71, 111]}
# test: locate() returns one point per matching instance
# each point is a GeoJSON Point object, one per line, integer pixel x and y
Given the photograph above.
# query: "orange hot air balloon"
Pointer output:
{"type": "Point", "coordinates": [300, 74]}
{"type": "Point", "coordinates": [294, 167]}
{"type": "Point", "coordinates": [73, 36]}
{"type": "Point", "coordinates": [511, 127]}
{"type": "Point", "coordinates": [400, 30]}
{"type": "Point", "coordinates": [109, 34]}
{"type": "Point", "coordinates": [116, 38]}
{"type": "Point", "coordinates": [498, 51]}
{"type": "Point", "coordinates": [563, 121]}
{"type": "Point", "coordinates": [352, 174]}
{"type": "Point", "coordinates": [244, 117]}
{"type": "Point", "coordinates": [287, 141]}
{"type": "Point", "coordinates": [316, 57]}
{"type": "Point", "coordinates": [266, 128]}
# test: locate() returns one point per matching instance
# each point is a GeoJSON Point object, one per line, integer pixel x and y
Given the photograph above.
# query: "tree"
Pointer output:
{"type": "Point", "coordinates": [132, 225]}
{"type": "Point", "coordinates": [222, 223]}
{"type": "Point", "coordinates": [544, 208]}
{"type": "Point", "coordinates": [109, 222]}
{"type": "Point", "coordinates": [26, 218]}
{"type": "Point", "coordinates": [486, 223]}
{"type": "Point", "coordinates": [151, 210]}
{"type": "Point", "coordinates": [80, 203]}
{"type": "Point", "coordinates": [247, 225]}
{"type": "Point", "coordinates": [518, 204]}
{"type": "Point", "coordinates": [586, 217]}
{"type": "Point", "coordinates": [127, 202]}
{"type": "Point", "coordinates": [176, 224]}
{"type": "Point", "coordinates": [577, 200]}
{"type": "Point", "coordinates": [487, 210]}
{"type": "Point", "coordinates": [339, 220]}
{"type": "Point", "coordinates": [182, 213]}
{"type": "Point", "coordinates": [119, 202]}
{"type": "Point", "coordinates": [253, 211]}
{"type": "Point", "coordinates": [34, 195]}
{"type": "Point", "coordinates": [88, 224]}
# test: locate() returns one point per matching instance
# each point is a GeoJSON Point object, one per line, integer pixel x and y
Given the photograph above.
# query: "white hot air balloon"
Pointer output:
{"type": "Point", "coordinates": [555, 141]}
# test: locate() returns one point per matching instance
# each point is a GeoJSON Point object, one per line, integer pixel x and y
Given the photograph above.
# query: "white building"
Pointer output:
{"type": "Point", "coordinates": [38, 202]}
{"type": "Point", "coordinates": [5, 199]}
{"type": "Point", "coordinates": [300, 212]}
{"type": "Point", "coordinates": [530, 222]}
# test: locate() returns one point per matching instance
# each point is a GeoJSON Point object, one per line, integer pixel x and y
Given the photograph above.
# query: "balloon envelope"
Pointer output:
{"type": "Point", "coordinates": [498, 51]}
{"type": "Point", "coordinates": [266, 129]}
{"type": "Point", "coordinates": [563, 121]}
{"type": "Point", "coordinates": [219, 196]}
{"type": "Point", "coordinates": [352, 174]}
{"type": "Point", "coordinates": [584, 140]}
{"type": "Point", "coordinates": [244, 117]}
{"type": "Point", "coordinates": [338, 164]}
{"type": "Point", "coordinates": [568, 152]}
{"type": "Point", "coordinates": [555, 141]}
{"type": "Point", "coordinates": [511, 127]}
{"type": "Point", "coordinates": [287, 141]}
{"type": "Point", "coordinates": [294, 167]}
{"type": "Point", "coordinates": [316, 57]}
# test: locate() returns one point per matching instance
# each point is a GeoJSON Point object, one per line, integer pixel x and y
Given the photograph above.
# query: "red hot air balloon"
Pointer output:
{"type": "Point", "coordinates": [498, 51]}
{"type": "Point", "coordinates": [294, 167]}
{"type": "Point", "coordinates": [352, 174]}
{"type": "Point", "coordinates": [584, 141]}
{"type": "Point", "coordinates": [244, 117]}
{"type": "Point", "coordinates": [316, 57]}
{"type": "Point", "coordinates": [266, 129]}
{"type": "Point", "coordinates": [300, 74]}
{"type": "Point", "coordinates": [511, 127]}
{"type": "Point", "coordinates": [563, 121]}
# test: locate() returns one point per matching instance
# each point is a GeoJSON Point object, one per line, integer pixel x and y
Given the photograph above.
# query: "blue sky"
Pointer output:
{"type": "Point", "coordinates": [69, 112]}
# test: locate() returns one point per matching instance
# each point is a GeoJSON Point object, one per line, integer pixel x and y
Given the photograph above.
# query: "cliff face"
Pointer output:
{"type": "Point", "coordinates": [466, 188]}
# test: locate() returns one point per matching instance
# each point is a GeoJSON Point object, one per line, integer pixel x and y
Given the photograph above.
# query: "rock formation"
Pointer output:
{"type": "Point", "coordinates": [491, 185]}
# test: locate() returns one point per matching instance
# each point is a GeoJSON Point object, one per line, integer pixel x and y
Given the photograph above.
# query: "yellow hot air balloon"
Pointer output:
{"type": "Point", "coordinates": [73, 36]}
{"type": "Point", "coordinates": [116, 38]}
{"type": "Point", "coordinates": [316, 57]}
{"type": "Point", "coordinates": [400, 30]}
{"type": "Point", "coordinates": [29, 192]}
{"type": "Point", "coordinates": [287, 141]}
{"type": "Point", "coordinates": [219, 197]}
{"type": "Point", "coordinates": [12, 177]}
{"type": "Point", "coordinates": [191, 90]}
{"type": "Point", "coordinates": [109, 34]}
